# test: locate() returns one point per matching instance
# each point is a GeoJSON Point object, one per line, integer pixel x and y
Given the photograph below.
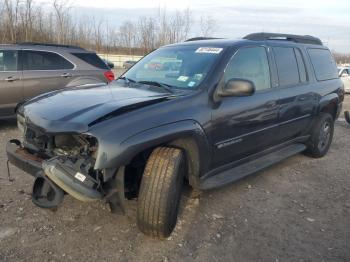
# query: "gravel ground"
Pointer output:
{"type": "Point", "coordinates": [297, 210]}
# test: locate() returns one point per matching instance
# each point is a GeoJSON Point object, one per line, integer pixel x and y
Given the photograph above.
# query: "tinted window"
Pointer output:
{"type": "Point", "coordinates": [323, 63]}
{"type": "Point", "coordinates": [40, 60]}
{"type": "Point", "coordinates": [251, 64]}
{"type": "Point", "coordinates": [8, 60]}
{"type": "Point", "coordinates": [301, 65]}
{"type": "Point", "coordinates": [91, 59]}
{"type": "Point", "coordinates": [287, 68]}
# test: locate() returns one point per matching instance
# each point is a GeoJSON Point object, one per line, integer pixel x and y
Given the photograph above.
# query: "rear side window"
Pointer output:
{"type": "Point", "coordinates": [287, 67]}
{"type": "Point", "coordinates": [41, 60]}
{"type": "Point", "coordinates": [250, 63]}
{"type": "Point", "coordinates": [8, 60]}
{"type": "Point", "coordinates": [92, 59]}
{"type": "Point", "coordinates": [323, 63]}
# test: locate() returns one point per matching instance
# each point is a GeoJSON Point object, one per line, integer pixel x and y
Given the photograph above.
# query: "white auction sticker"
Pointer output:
{"type": "Point", "coordinates": [209, 50]}
{"type": "Point", "coordinates": [80, 176]}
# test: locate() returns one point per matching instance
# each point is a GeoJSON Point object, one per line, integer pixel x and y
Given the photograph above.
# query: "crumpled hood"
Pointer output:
{"type": "Point", "coordinates": [73, 110]}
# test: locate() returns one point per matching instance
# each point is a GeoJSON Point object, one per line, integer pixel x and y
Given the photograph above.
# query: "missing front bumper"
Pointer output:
{"type": "Point", "coordinates": [70, 180]}
{"type": "Point", "coordinates": [56, 172]}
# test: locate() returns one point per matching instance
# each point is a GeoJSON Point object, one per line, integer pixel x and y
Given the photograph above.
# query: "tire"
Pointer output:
{"type": "Point", "coordinates": [160, 192]}
{"type": "Point", "coordinates": [321, 136]}
{"type": "Point", "coordinates": [347, 116]}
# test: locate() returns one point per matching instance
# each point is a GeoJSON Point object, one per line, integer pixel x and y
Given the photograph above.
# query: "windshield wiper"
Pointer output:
{"type": "Point", "coordinates": [127, 79]}
{"type": "Point", "coordinates": [155, 83]}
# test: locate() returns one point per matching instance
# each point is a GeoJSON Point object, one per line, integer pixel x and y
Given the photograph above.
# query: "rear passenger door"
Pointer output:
{"type": "Point", "coordinates": [296, 98]}
{"type": "Point", "coordinates": [10, 82]}
{"type": "Point", "coordinates": [44, 71]}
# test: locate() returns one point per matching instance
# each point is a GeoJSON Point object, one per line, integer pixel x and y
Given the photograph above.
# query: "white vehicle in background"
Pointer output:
{"type": "Point", "coordinates": [344, 74]}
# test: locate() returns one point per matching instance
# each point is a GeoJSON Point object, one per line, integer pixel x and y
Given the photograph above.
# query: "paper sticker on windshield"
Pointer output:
{"type": "Point", "coordinates": [209, 50]}
{"type": "Point", "coordinates": [197, 77]}
{"type": "Point", "coordinates": [182, 78]}
{"type": "Point", "coordinates": [191, 84]}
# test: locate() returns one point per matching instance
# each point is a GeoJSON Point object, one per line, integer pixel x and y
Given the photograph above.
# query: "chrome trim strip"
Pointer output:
{"type": "Point", "coordinates": [237, 139]}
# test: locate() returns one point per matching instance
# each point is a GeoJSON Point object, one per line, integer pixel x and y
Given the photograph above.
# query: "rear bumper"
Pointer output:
{"type": "Point", "coordinates": [21, 158]}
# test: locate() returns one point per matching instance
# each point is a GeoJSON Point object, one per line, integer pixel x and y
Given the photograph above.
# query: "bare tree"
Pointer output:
{"type": "Point", "coordinates": [62, 18]}
{"type": "Point", "coordinates": [207, 25]}
{"type": "Point", "coordinates": [127, 33]}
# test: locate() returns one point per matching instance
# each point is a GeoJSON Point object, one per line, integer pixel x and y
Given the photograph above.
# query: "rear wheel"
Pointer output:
{"type": "Point", "coordinates": [321, 136]}
{"type": "Point", "coordinates": [160, 192]}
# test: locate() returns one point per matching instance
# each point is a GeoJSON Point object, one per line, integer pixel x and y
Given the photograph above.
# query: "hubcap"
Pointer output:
{"type": "Point", "coordinates": [325, 135]}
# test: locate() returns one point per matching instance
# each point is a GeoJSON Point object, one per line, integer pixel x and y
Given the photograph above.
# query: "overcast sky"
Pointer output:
{"type": "Point", "coordinates": [329, 20]}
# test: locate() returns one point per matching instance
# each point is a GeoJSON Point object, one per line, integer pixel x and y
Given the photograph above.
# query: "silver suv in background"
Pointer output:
{"type": "Point", "coordinates": [29, 69]}
{"type": "Point", "coordinates": [344, 74]}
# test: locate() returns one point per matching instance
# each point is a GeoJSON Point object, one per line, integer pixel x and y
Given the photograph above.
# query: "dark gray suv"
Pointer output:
{"type": "Point", "coordinates": [29, 69]}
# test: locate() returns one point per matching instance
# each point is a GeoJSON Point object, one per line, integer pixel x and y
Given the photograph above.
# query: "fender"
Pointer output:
{"type": "Point", "coordinates": [110, 156]}
{"type": "Point", "coordinates": [327, 101]}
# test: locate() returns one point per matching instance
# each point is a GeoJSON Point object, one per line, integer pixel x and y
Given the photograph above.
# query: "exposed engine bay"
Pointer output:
{"type": "Point", "coordinates": [67, 166]}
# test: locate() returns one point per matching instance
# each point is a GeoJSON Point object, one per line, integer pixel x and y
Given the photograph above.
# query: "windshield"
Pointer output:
{"type": "Point", "coordinates": [178, 67]}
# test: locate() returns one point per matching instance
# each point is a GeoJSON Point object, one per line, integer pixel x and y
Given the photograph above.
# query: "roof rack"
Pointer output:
{"type": "Point", "coordinates": [199, 38]}
{"type": "Point", "coordinates": [305, 39]}
{"type": "Point", "coordinates": [49, 44]}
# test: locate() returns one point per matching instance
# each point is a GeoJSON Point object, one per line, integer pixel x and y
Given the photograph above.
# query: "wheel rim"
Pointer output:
{"type": "Point", "coordinates": [325, 135]}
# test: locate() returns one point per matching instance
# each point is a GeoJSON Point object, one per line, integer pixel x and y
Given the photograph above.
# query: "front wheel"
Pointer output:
{"type": "Point", "coordinates": [160, 192]}
{"type": "Point", "coordinates": [321, 136]}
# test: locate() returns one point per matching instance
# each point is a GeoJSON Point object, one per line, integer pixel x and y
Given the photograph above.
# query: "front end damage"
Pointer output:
{"type": "Point", "coordinates": [64, 164]}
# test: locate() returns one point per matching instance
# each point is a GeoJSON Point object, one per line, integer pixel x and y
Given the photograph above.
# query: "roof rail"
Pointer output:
{"type": "Point", "coordinates": [305, 39]}
{"type": "Point", "coordinates": [49, 44]}
{"type": "Point", "coordinates": [199, 38]}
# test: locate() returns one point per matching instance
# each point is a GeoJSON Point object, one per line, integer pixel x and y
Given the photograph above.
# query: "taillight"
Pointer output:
{"type": "Point", "coordinates": [109, 75]}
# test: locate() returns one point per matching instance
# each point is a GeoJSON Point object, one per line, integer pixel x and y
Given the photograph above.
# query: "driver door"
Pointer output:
{"type": "Point", "coordinates": [242, 126]}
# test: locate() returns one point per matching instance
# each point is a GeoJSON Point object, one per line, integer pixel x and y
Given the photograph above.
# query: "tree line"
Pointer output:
{"type": "Point", "coordinates": [28, 21]}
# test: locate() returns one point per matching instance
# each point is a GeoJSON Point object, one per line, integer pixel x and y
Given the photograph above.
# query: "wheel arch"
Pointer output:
{"type": "Point", "coordinates": [329, 104]}
{"type": "Point", "coordinates": [187, 135]}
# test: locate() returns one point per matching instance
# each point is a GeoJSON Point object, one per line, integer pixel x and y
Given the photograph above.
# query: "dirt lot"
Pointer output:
{"type": "Point", "coordinates": [298, 210]}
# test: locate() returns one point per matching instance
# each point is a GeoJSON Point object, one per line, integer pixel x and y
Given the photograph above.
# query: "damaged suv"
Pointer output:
{"type": "Point", "coordinates": [215, 111]}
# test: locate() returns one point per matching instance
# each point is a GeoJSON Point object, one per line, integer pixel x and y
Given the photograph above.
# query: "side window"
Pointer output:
{"type": "Point", "coordinates": [250, 63]}
{"type": "Point", "coordinates": [287, 68]}
{"type": "Point", "coordinates": [92, 59]}
{"type": "Point", "coordinates": [301, 65]}
{"type": "Point", "coordinates": [40, 60]}
{"type": "Point", "coordinates": [323, 63]}
{"type": "Point", "coordinates": [8, 60]}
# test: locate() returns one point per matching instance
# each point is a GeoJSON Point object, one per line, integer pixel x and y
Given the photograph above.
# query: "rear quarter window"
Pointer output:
{"type": "Point", "coordinates": [323, 63]}
{"type": "Point", "coordinates": [92, 59]}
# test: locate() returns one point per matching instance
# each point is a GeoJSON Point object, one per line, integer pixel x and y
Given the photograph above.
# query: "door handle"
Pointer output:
{"type": "Point", "coordinates": [11, 79]}
{"type": "Point", "coordinates": [66, 75]}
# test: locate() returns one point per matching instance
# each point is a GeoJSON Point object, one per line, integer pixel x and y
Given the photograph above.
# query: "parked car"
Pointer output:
{"type": "Point", "coordinates": [29, 69]}
{"type": "Point", "coordinates": [128, 64]}
{"type": "Point", "coordinates": [344, 74]}
{"type": "Point", "coordinates": [236, 107]}
{"type": "Point", "coordinates": [108, 63]}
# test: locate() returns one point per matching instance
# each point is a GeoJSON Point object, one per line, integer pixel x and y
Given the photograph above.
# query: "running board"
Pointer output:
{"type": "Point", "coordinates": [251, 167]}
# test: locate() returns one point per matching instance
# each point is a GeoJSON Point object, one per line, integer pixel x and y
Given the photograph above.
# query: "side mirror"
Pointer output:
{"type": "Point", "coordinates": [237, 87]}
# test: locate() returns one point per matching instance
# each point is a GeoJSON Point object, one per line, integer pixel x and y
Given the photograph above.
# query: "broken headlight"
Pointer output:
{"type": "Point", "coordinates": [21, 124]}
{"type": "Point", "coordinates": [75, 145]}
